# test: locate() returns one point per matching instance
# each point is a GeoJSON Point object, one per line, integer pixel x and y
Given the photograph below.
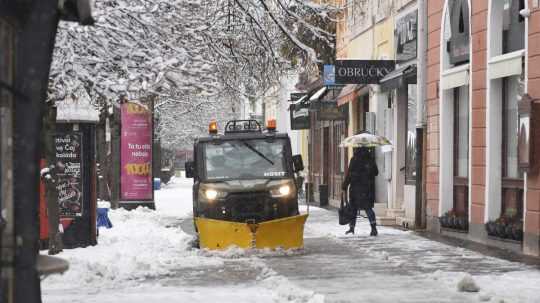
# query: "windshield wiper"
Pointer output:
{"type": "Point", "coordinates": [257, 152]}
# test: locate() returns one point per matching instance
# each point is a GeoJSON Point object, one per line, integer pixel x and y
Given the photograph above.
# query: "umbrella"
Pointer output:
{"type": "Point", "coordinates": [365, 139]}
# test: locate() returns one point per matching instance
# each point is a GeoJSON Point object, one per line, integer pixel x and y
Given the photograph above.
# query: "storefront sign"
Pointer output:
{"type": "Point", "coordinates": [328, 111]}
{"type": "Point", "coordinates": [362, 71]}
{"type": "Point", "coordinates": [69, 168]}
{"type": "Point", "coordinates": [406, 33]}
{"type": "Point", "coordinates": [136, 153]}
{"type": "Point", "coordinates": [300, 118]}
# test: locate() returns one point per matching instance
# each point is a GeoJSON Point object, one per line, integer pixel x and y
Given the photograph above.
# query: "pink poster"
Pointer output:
{"type": "Point", "coordinates": [136, 153]}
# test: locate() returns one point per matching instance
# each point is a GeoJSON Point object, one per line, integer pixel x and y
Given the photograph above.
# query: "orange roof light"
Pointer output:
{"type": "Point", "coordinates": [212, 128]}
{"type": "Point", "coordinates": [271, 125]}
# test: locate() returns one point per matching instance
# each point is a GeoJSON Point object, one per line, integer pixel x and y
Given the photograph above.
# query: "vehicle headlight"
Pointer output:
{"type": "Point", "coordinates": [281, 191]}
{"type": "Point", "coordinates": [211, 194]}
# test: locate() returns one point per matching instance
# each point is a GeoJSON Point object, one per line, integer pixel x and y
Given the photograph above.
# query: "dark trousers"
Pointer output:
{"type": "Point", "coordinates": [370, 213]}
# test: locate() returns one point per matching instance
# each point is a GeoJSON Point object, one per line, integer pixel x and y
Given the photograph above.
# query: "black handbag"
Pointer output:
{"type": "Point", "coordinates": [346, 212]}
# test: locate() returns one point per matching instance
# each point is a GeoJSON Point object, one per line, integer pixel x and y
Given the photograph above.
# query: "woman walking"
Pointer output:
{"type": "Point", "coordinates": [360, 179]}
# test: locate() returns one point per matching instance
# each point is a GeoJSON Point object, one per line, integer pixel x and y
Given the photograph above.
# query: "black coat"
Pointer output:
{"type": "Point", "coordinates": [360, 178]}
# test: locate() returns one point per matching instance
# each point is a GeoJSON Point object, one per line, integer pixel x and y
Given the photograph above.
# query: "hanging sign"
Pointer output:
{"type": "Point", "coordinates": [136, 153]}
{"type": "Point", "coordinates": [362, 71]}
{"type": "Point", "coordinates": [69, 168]}
{"type": "Point", "coordinates": [300, 117]}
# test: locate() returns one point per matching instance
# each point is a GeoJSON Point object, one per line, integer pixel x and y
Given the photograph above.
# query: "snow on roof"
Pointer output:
{"type": "Point", "coordinates": [77, 108]}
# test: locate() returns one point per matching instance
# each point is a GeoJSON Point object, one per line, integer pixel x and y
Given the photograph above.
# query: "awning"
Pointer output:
{"type": "Point", "coordinates": [400, 76]}
{"type": "Point", "coordinates": [318, 94]}
{"type": "Point", "coordinates": [348, 93]}
{"type": "Point", "coordinates": [506, 65]}
{"type": "Point", "coordinates": [300, 100]}
{"type": "Point", "coordinates": [455, 77]}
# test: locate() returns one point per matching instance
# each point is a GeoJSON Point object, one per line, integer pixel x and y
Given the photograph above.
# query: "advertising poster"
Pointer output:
{"type": "Point", "coordinates": [68, 148]}
{"type": "Point", "coordinates": [136, 153]}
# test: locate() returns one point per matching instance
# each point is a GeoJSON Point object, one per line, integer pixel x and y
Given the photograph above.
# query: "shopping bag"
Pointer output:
{"type": "Point", "coordinates": [346, 212]}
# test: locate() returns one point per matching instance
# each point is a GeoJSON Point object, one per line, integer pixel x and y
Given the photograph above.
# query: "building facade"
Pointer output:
{"type": "Point", "coordinates": [387, 30]}
{"type": "Point", "coordinates": [482, 182]}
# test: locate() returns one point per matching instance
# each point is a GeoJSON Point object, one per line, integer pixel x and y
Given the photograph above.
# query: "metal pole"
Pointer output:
{"type": "Point", "coordinates": [420, 113]}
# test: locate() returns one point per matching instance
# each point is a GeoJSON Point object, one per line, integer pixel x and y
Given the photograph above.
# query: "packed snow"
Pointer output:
{"type": "Point", "coordinates": [147, 257]}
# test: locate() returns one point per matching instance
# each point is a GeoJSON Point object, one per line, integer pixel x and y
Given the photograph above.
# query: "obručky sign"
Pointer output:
{"type": "Point", "coordinates": [362, 71]}
{"type": "Point", "coordinates": [136, 153]}
{"type": "Point", "coordinates": [69, 164]}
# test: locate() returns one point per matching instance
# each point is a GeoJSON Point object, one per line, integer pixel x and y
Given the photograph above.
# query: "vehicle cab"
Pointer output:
{"type": "Point", "coordinates": [245, 174]}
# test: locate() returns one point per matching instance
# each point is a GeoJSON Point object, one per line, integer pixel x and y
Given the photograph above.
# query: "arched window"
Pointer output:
{"type": "Point", "coordinates": [457, 31]}
{"type": "Point", "coordinates": [513, 26]}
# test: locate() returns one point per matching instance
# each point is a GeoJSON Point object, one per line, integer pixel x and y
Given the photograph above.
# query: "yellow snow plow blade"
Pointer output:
{"type": "Point", "coordinates": [286, 233]}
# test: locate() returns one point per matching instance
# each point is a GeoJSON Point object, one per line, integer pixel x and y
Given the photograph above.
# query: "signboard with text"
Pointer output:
{"type": "Point", "coordinates": [136, 153]}
{"type": "Point", "coordinates": [362, 71]}
{"type": "Point", "coordinates": [69, 165]}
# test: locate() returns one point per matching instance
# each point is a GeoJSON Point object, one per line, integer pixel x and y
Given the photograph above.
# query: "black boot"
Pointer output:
{"type": "Point", "coordinates": [374, 232]}
{"type": "Point", "coordinates": [351, 230]}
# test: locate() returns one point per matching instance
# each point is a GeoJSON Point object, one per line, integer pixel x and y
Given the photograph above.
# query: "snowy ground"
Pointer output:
{"type": "Point", "coordinates": [147, 257]}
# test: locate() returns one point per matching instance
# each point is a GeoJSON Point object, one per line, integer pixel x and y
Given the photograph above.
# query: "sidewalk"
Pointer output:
{"type": "Point", "coordinates": [487, 250]}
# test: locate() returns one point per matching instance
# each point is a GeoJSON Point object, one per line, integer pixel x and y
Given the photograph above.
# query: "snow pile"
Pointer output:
{"type": "Point", "coordinates": [139, 247]}
{"type": "Point", "coordinates": [285, 291]}
{"type": "Point", "coordinates": [467, 284]}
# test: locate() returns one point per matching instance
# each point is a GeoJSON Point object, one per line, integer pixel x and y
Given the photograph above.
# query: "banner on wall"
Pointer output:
{"type": "Point", "coordinates": [136, 153]}
{"type": "Point", "coordinates": [69, 164]}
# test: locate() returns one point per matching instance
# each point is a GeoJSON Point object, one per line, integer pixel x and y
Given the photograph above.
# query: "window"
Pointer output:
{"type": "Point", "coordinates": [461, 150]}
{"type": "Point", "coordinates": [410, 156]}
{"type": "Point", "coordinates": [251, 158]}
{"type": "Point", "coordinates": [456, 32]}
{"type": "Point", "coordinates": [512, 177]}
{"type": "Point", "coordinates": [513, 26]}
{"type": "Point", "coordinates": [461, 132]}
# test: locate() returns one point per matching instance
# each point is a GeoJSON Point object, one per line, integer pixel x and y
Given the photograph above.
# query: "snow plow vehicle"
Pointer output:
{"type": "Point", "coordinates": [245, 192]}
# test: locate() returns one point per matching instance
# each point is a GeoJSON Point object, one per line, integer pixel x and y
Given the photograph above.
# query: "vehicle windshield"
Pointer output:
{"type": "Point", "coordinates": [245, 159]}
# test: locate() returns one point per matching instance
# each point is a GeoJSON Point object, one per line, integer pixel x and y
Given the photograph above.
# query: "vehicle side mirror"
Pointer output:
{"type": "Point", "coordinates": [190, 169]}
{"type": "Point", "coordinates": [298, 163]}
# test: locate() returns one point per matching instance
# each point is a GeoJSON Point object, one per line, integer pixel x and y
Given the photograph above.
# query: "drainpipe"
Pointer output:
{"type": "Point", "coordinates": [420, 205]}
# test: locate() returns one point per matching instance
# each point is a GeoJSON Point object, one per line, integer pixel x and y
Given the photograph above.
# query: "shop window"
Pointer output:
{"type": "Point", "coordinates": [410, 156]}
{"type": "Point", "coordinates": [363, 108]}
{"type": "Point", "coordinates": [461, 150]}
{"type": "Point", "coordinates": [513, 26]}
{"type": "Point", "coordinates": [457, 32]}
{"type": "Point", "coordinates": [512, 177]}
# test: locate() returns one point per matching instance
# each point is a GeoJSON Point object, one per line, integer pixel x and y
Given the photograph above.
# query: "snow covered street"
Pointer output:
{"type": "Point", "coordinates": [147, 257]}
